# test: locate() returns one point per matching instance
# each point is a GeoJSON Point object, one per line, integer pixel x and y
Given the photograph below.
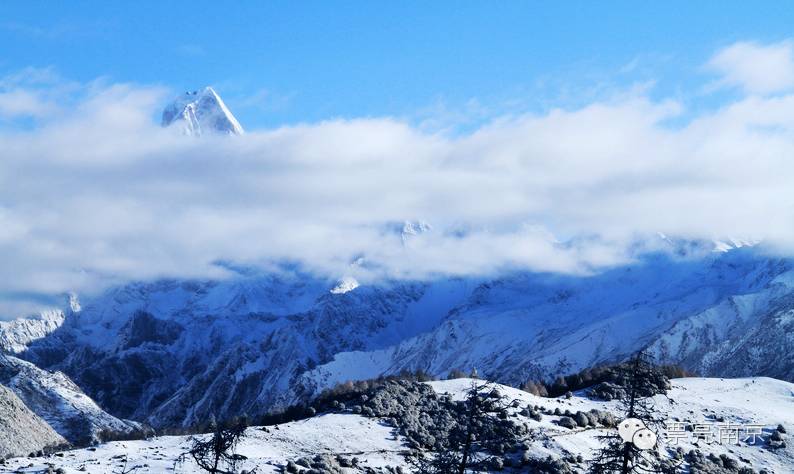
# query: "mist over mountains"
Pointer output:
{"type": "Point", "coordinates": [570, 191]}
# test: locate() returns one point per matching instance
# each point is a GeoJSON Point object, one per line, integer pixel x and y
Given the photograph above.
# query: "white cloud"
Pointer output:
{"type": "Point", "coordinates": [37, 93]}
{"type": "Point", "coordinates": [21, 94]}
{"type": "Point", "coordinates": [755, 68]}
{"type": "Point", "coordinates": [103, 195]}
{"type": "Point", "coordinates": [22, 103]}
{"type": "Point", "coordinates": [30, 76]}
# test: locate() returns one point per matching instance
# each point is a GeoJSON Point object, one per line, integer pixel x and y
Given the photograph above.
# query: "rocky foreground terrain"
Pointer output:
{"type": "Point", "coordinates": [379, 432]}
{"type": "Point", "coordinates": [21, 430]}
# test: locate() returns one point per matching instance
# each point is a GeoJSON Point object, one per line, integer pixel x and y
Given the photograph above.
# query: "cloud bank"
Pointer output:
{"type": "Point", "coordinates": [95, 193]}
{"type": "Point", "coordinates": [756, 68]}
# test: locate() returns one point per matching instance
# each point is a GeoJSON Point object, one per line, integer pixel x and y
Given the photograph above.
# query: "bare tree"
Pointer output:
{"type": "Point", "coordinates": [216, 454]}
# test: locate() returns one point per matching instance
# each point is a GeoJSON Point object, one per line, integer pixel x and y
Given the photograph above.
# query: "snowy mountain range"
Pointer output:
{"type": "Point", "coordinates": [174, 353]}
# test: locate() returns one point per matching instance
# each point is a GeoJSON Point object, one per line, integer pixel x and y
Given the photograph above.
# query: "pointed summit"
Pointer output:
{"type": "Point", "coordinates": [201, 112]}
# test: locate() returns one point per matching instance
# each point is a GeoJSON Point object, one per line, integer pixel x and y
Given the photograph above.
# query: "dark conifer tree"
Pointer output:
{"type": "Point", "coordinates": [482, 430]}
{"type": "Point", "coordinates": [618, 456]}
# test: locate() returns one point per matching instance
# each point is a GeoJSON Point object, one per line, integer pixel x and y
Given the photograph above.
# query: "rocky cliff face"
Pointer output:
{"type": "Point", "coordinates": [22, 432]}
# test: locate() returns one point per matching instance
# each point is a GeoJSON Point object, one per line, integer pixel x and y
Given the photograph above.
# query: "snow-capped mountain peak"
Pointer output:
{"type": "Point", "coordinates": [201, 112]}
{"type": "Point", "coordinates": [345, 285]}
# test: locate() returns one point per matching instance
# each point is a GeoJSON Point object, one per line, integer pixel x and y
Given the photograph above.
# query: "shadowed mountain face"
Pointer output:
{"type": "Point", "coordinates": [175, 352]}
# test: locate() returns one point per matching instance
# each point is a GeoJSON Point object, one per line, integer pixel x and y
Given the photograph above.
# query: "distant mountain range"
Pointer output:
{"type": "Point", "coordinates": [177, 352]}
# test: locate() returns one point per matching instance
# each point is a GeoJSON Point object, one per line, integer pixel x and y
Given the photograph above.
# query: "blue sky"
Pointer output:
{"type": "Point", "coordinates": [509, 127]}
{"type": "Point", "coordinates": [287, 62]}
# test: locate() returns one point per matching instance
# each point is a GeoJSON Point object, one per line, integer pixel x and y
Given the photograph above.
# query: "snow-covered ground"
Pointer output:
{"type": "Point", "coordinates": [697, 401]}
{"type": "Point", "coordinates": [763, 401]}
{"type": "Point", "coordinates": [266, 448]}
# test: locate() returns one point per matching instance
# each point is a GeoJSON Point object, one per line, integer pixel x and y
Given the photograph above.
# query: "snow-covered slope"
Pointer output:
{"type": "Point", "coordinates": [201, 112]}
{"type": "Point", "coordinates": [760, 401]}
{"type": "Point", "coordinates": [268, 449]}
{"type": "Point", "coordinates": [21, 431]}
{"type": "Point", "coordinates": [693, 401]}
{"type": "Point", "coordinates": [55, 398]}
{"type": "Point", "coordinates": [709, 314]}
